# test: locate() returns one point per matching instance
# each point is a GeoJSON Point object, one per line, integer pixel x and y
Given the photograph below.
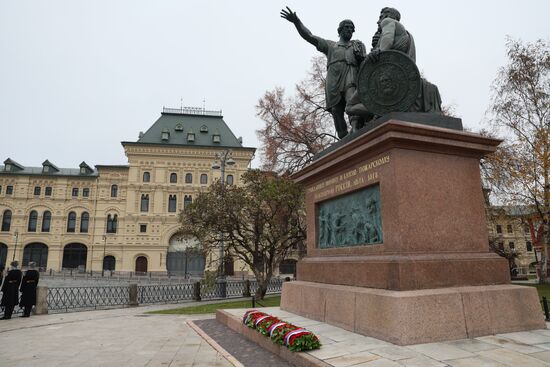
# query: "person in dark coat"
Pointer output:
{"type": "Point", "coordinates": [10, 290]}
{"type": "Point", "coordinates": [28, 289]}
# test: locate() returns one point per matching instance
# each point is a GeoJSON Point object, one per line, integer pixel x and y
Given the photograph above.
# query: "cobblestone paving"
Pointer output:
{"type": "Point", "coordinates": [245, 351]}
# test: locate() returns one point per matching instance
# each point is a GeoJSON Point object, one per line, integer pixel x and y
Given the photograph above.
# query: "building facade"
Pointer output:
{"type": "Point", "coordinates": [509, 231]}
{"type": "Point", "coordinates": [119, 217]}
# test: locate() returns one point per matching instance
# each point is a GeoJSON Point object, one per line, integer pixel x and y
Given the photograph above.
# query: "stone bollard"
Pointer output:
{"type": "Point", "coordinates": [246, 291]}
{"type": "Point", "coordinates": [41, 307]}
{"type": "Point", "coordinates": [197, 291]}
{"type": "Point", "coordinates": [133, 296]}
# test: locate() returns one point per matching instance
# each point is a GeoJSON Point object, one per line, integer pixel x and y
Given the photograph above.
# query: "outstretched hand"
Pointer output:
{"type": "Point", "coordinates": [289, 15]}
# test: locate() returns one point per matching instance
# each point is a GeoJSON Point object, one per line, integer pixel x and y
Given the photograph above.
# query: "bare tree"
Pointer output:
{"type": "Point", "coordinates": [519, 172]}
{"type": "Point", "coordinates": [296, 127]}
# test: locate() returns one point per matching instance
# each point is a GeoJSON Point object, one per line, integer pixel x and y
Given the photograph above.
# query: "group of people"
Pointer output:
{"type": "Point", "coordinates": [14, 283]}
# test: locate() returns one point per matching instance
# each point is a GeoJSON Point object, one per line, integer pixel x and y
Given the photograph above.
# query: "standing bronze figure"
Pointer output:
{"type": "Point", "coordinates": [343, 60]}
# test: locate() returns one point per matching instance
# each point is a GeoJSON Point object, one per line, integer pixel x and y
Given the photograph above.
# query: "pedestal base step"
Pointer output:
{"type": "Point", "coordinates": [420, 316]}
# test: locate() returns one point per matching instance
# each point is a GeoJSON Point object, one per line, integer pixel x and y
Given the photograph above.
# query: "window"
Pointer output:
{"type": "Point", "coordinates": [112, 221]}
{"type": "Point", "coordinates": [37, 190]}
{"type": "Point", "coordinates": [499, 228]}
{"type": "Point", "coordinates": [143, 228]}
{"type": "Point", "coordinates": [529, 246]}
{"type": "Point", "coordinates": [187, 200]}
{"type": "Point", "coordinates": [75, 191]}
{"type": "Point", "coordinates": [48, 191]}
{"type": "Point", "coordinates": [173, 178]}
{"type": "Point", "coordinates": [144, 203]}
{"type": "Point", "coordinates": [6, 221]}
{"type": "Point", "coordinates": [501, 246]}
{"type": "Point", "coordinates": [9, 190]}
{"type": "Point", "coordinates": [33, 218]}
{"type": "Point", "coordinates": [146, 177]}
{"type": "Point", "coordinates": [86, 192]}
{"type": "Point", "coordinates": [114, 191]}
{"type": "Point", "coordinates": [84, 222]}
{"type": "Point", "coordinates": [509, 228]}
{"type": "Point", "coordinates": [46, 221]}
{"type": "Point", "coordinates": [172, 203]}
{"type": "Point", "coordinates": [71, 222]}
{"type": "Point", "coordinates": [512, 245]}
{"type": "Point", "coordinates": [229, 179]}
{"type": "Point", "coordinates": [190, 137]}
{"type": "Point", "coordinates": [189, 178]}
{"type": "Point", "coordinates": [0, 189]}
{"type": "Point", "coordinates": [204, 179]}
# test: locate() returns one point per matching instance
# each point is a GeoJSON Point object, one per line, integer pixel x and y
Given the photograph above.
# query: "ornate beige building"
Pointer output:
{"type": "Point", "coordinates": [121, 218]}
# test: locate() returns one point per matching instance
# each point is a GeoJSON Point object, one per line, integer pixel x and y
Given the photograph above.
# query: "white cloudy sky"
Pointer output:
{"type": "Point", "coordinates": [77, 77]}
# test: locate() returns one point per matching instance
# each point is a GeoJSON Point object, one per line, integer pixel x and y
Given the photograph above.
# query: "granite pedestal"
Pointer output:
{"type": "Point", "coordinates": [432, 277]}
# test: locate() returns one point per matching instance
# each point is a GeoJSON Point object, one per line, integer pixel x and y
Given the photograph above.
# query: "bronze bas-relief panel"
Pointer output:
{"type": "Point", "coordinates": [350, 220]}
{"type": "Point", "coordinates": [359, 177]}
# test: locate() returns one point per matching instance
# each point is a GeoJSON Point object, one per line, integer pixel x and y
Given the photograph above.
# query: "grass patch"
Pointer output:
{"type": "Point", "coordinates": [212, 307]}
{"type": "Point", "coordinates": [543, 289]}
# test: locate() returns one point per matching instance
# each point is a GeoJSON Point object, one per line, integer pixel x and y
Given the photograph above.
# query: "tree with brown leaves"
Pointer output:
{"type": "Point", "coordinates": [519, 172]}
{"type": "Point", "coordinates": [259, 221]}
{"type": "Point", "coordinates": [296, 127]}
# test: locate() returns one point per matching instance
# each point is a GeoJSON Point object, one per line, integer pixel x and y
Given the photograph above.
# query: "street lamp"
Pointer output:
{"type": "Point", "coordinates": [223, 158]}
{"type": "Point", "coordinates": [103, 262]}
{"type": "Point", "coordinates": [15, 237]}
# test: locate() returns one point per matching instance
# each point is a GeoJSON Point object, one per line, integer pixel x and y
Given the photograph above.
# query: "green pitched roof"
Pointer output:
{"type": "Point", "coordinates": [179, 127]}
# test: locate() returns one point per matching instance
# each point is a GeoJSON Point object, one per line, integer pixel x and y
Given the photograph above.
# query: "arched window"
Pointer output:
{"type": "Point", "coordinates": [3, 253]}
{"type": "Point", "coordinates": [33, 219]}
{"type": "Point", "coordinates": [187, 200]}
{"type": "Point", "coordinates": [74, 256]}
{"type": "Point", "coordinates": [141, 264]}
{"type": "Point", "coordinates": [46, 221]}
{"type": "Point", "coordinates": [6, 221]}
{"type": "Point", "coordinates": [114, 191]}
{"type": "Point", "coordinates": [109, 263]}
{"type": "Point", "coordinates": [229, 179]}
{"type": "Point", "coordinates": [146, 177]}
{"type": "Point", "coordinates": [173, 177]}
{"type": "Point", "coordinates": [172, 203]}
{"type": "Point", "coordinates": [37, 252]}
{"type": "Point", "coordinates": [112, 221]}
{"type": "Point", "coordinates": [144, 207]}
{"type": "Point", "coordinates": [188, 178]}
{"type": "Point", "coordinates": [71, 222]}
{"type": "Point", "coordinates": [84, 222]}
{"type": "Point", "coordinates": [204, 179]}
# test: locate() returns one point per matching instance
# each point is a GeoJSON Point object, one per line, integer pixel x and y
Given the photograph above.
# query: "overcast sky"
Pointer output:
{"type": "Point", "coordinates": [78, 77]}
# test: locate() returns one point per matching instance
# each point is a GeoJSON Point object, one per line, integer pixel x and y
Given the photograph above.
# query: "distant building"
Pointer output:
{"type": "Point", "coordinates": [119, 217]}
{"type": "Point", "coordinates": [509, 230]}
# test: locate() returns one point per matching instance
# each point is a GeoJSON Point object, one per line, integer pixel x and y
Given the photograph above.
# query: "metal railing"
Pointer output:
{"type": "Point", "coordinates": [172, 293]}
{"type": "Point", "coordinates": [192, 111]}
{"type": "Point", "coordinates": [65, 299]}
{"type": "Point", "coordinates": [82, 298]}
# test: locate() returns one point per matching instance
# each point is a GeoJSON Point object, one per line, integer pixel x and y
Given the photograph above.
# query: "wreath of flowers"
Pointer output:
{"type": "Point", "coordinates": [294, 338]}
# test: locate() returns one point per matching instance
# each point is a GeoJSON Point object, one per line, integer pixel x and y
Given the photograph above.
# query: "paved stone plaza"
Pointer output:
{"type": "Point", "coordinates": [129, 337]}
{"type": "Point", "coordinates": [122, 337]}
{"type": "Point", "coordinates": [342, 348]}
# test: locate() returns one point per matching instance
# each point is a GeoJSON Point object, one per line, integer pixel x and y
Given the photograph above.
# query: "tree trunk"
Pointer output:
{"type": "Point", "coordinates": [262, 289]}
{"type": "Point", "coordinates": [544, 263]}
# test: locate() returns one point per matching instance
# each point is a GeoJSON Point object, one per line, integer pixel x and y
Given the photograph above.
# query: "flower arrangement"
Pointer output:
{"type": "Point", "coordinates": [294, 338]}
